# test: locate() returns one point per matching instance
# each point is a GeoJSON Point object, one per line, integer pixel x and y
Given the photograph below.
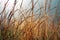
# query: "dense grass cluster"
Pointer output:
{"type": "Point", "coordinates": [30, 26]}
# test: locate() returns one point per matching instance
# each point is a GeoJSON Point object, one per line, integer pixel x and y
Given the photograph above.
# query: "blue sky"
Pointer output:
{"type": "Point", "coordinates": [26, 4]}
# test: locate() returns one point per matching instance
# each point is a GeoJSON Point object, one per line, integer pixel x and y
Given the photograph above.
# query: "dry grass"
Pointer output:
{"type": "Point", "coordinates": [29, 27]}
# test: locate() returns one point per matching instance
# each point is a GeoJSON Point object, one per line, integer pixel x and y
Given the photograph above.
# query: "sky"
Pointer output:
{"type": "Point", "coordinates": [26, 5]}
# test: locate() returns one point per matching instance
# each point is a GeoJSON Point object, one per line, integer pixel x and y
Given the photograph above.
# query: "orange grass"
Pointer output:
{"type": "Point", "coordinates": [29, 27]}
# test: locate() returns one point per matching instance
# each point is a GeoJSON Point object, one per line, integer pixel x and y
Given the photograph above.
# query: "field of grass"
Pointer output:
{"type": "Point", "coordinates": [29, 26]}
